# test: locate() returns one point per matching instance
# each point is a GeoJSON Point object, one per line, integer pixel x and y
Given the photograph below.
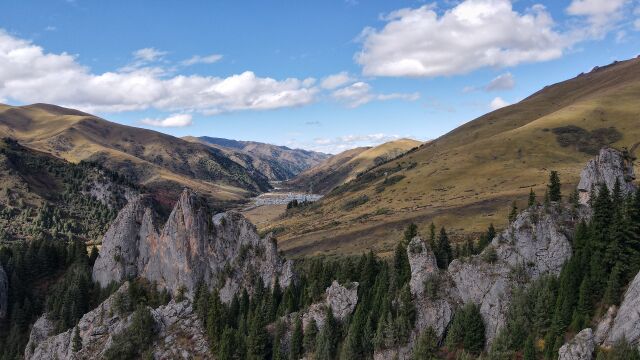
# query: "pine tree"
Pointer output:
{"type": "Point", "coordinates": [278, 353]}
{"type": "Point", "coordinates": [295, 346]}
{"type": "Point", "coordinates": [401, 265]}
{"type": "Point", "coordinates": [554, 187]}
{"type": "Point", "coordinates": [514, 212]}
{"type": "Point", "coordinates": [474, 332]}
{"type": "Point", "coordinates": [529, 349]}
{"type": "Point", "coordinates": [328, 338]}
{"type": "Point", "coordinates": [77, 340]}
{"type": "Point", "coordinates": [426, 347]}
{"type": "Point", "coordinates": [310, 335]}
{"type": "Point", "coordinates": [258, 338]}
{"type": "Point", "coordinates": [443, 253]}
{"type": "Point", "coordinates": [432, 237]}
{"type": "Point", "coordinates": [612, 293]}
{"type": "Point", "coordinates": [410, 232]}
{"type": "Point", "coordinates": [532, 198]}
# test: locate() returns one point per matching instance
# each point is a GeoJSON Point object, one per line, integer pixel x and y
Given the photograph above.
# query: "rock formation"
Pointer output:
{"type": "Point", "coordinates": [609, 166]}
{"type": "Point", "coordinates": [423, 264]}
{"type": "Point", "coordinates": [4, 293]}
{"type": "Point", "coordinates": [179, 333]}
{"type": "Point", "coordinates": [342, 301]}
{"type": "Point", "coordinates": [581, 347]}
{"type": "Point", "coordinates": [221, 250]}
{"type": "Point", "coordinates": [626, 324]}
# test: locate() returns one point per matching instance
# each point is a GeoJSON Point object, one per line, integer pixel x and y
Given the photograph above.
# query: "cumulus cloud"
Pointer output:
{"type": "Point", "coordinates": [336, 80]}
{"type": "Point", "coordinates": [197, 59]}
{"type": "Point", "coordinates": [360, 93]}
{"type": "Point", "coordinates": [29, 74]}
{"type": "Point", "coordinates": [600, 14]}
{"type": "Point", "coordinates": [471, 35]}
{"type": "Point", "coordinates": [498, 103]}
{"type": "Point", "coordinates": [501, 82]}
{"type": "Point", "coordinates": [175, 120]}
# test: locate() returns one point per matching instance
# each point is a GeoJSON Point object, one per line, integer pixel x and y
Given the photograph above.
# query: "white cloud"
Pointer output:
{"type": "Point", "coordinates": [501, 82]}
{"type": "Point", "coordinates": [29, 74]}
{"type": "Point", "coordinates": [336, 80]}
{"type": "Point", "coordinates": [471, 35]}
{"type": "Point", "coordinates": [498, 103]}
{"type": "Point", "coordinates": [148, 54]}
{"type": "Point", "coordinates": [197, 59]}
{"type": "Point", "coordinates": [175, 120]}
{"type": "Point", "coordinates": [342, 143]}
{"type": "Point", "coordinates": [360, 93]}
{"type": "Point", "coordinates": [600, 14]}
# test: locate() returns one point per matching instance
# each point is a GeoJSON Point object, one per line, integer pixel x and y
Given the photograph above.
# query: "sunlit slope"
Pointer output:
{"type": "Point", "coordinates": [345, 166]}
{"type": "Point", "coordinates": [163, 163]}
{"type": "Point", "coordinates": [467, 178]}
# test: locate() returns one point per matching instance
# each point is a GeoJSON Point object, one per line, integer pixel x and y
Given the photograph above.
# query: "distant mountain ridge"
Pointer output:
{"type": "Point", "coordinates": [347, 165]}
{"type": "Point", "coordinates": [277, 163]}
{"type": "Point", "coordinates": [162, 163]}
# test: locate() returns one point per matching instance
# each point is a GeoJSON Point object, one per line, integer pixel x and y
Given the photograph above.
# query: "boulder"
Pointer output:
{"type": "Point", "coordinates": [4, 293]}
{"type": "Point", "coordinates": [610, 165]}
{"type": "Point", "coordinates": [581, 347]}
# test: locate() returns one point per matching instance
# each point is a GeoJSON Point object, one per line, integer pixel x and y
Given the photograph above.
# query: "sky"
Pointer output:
{"type": "Point", "coordinates": [323, 75]}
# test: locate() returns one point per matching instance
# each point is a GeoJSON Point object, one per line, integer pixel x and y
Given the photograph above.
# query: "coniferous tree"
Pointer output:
{"type": "Point", "coordinates": [328, 338]}
{"type": "Point", "coordinates": [310, 337]}
{"type": "Point", "coordinates": [514, 212]}
{"type": "Point", "coordinates": [426, 348]}
{"type": "Point", "coordinates": [554, 187]}
{"type": "Point", "coordinates": [474, 332]}
{"type": "Point", "coordinates": [532, 198]}
{"type": "Point", "coordinates": [432, 237]}
{"type": "Point", "coordinates": [77, 340]}
{"type": "Point", "coordinates": [529, 349]}
{"type": "Point", "coordinates": [401, 265]}
{"type": "Point", "coordinates": [258, 338]}
{"type": "Point", "coordinates": [295, 345]}
{"type": "Point", "coordinates": [443, 253]}
{"type": "Point", "coordinates": [410, 232]}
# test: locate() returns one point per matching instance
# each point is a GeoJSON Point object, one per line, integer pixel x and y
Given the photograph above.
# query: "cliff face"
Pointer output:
{"type": "Point", "coordinates": [179, 333]}
{"type": "Point", "coordinates": [608, 167]}
{"type": "Point", "coordinates": [193, 245]}
{"type": "Point", "coordinates": [4, 293]}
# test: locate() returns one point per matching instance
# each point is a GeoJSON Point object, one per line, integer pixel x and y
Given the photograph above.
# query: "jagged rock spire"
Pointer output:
{"type": "Point", "coordinates": [609, 166]}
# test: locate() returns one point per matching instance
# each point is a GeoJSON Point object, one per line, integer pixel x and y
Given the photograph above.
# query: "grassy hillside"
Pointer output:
{"type": "Point", "coordinates": [345, 166]}
{"type": "Point", "coordinates": [43, 197]}
{"type": "Point", "coordinates": [277, 163]}
{"type": "Point", "coordinates": [468, 178]}
{"type": "Point", "coordinates": [162, 163]}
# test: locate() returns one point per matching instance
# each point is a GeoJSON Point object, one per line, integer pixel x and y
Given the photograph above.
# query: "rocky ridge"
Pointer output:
{"type": "Point", "coordinates": [193, 246]}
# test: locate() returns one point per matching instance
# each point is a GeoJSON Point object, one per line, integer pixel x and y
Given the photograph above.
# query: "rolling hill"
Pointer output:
{"type": "Point", "coordinates": [345, 166]}
{"type": "Point", "coordinates": [163, 164]}
{"type": "Point", "coordinates": [277, 163]}
{"type": "Point", "coordinates": [468, 178]}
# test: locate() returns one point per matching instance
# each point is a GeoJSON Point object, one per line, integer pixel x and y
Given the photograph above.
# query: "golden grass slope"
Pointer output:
{"type": "Point", "coordinates": [162, 163]}
{"type": "Point", "coordinates": [345, 166]}
{"type": "Point", "coordinates": [468, 178]}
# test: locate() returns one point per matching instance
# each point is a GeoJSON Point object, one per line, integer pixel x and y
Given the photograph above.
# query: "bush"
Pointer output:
{"type": "Point", "coordinates": [354, 203]}
{"type": "Point", "coordinates": [136, 339]}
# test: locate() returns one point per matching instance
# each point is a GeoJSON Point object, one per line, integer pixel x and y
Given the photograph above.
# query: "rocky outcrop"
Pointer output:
{"type": "Point", "coordinates": [4, 293]}
{"type": "Point", "coordinates": [536, 243]}
{"type": "Point", "coordinates": [605, 324]}
{"type": "Point", "coordinates": [222, 250]}
{"type": "Point", "coordinates": [626, 325]}
{"type": "Point", "coordinates": [179, 333]}
{"type": "Point", "coordinates": [118, 259]}
{"type": "Point", "coordinates": [581, 347]}
{"type": "Point", "coordinates": [423, 264]}
{"type": "Point", "coordinates": [609, 166]}
{"type": "Point", "coordinates": [342, 301]}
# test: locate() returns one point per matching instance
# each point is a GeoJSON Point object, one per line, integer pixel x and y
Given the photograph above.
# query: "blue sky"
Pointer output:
{"type": "Point", "coordinates": [326, 75]}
